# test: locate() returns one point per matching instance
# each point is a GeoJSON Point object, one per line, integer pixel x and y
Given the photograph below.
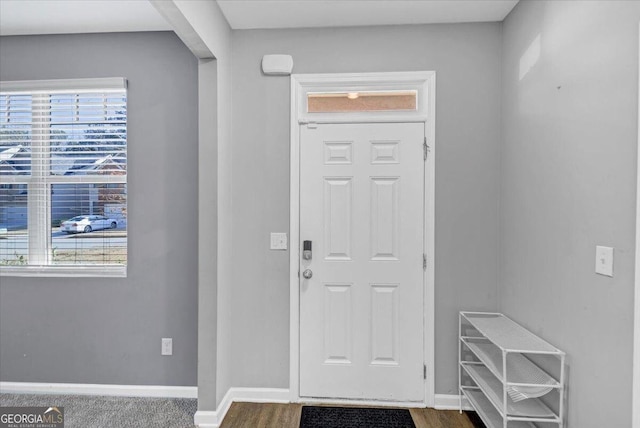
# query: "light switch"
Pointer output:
{"type": "Point", "coordinates": [604, 260]}
{"type": "Point", "coordinates": [278, 241]}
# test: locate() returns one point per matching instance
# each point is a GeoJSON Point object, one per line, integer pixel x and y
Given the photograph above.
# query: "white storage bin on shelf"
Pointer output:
{"type": "Point", "coordinates": [499, 373]}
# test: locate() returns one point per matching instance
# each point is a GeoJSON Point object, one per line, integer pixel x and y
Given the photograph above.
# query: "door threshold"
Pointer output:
{"type": "Point", "coordinates": [362, 402]}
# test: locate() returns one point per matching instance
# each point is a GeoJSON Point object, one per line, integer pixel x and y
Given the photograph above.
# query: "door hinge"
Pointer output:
{"type": "Point", "coordinates": [424, 261]}
{"type": "Point", "coordinates": [425, 148]}
{"type": "Point", "coordinates": [424, 372]}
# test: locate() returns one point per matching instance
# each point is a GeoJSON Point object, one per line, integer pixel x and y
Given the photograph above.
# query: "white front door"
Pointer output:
{"type": "Point", "coordinates": [361, 312]}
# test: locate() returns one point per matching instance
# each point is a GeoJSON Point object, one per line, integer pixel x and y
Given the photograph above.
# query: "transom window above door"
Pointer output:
{"type": "Point", "coordinates": [364, 97]}
{"type": "Point", "coordinates": [355, 101]}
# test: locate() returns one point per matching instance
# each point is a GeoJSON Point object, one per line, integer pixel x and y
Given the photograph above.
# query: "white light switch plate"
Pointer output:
{"type": "Point", "coordinates": [604, 260]}
{"type": "Point", "coordinates": [278, 241]}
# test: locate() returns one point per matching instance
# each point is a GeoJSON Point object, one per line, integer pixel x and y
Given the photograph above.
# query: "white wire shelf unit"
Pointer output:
{"type": "Point", "coordinates": [499, 376]}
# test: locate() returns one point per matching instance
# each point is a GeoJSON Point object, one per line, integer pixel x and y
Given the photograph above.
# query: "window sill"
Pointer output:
{"type": "Point", "coordinates": [97, 271]}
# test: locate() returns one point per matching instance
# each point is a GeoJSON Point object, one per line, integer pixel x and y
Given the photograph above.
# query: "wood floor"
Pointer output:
{"type": "Point", "coordinates": [254, 415]}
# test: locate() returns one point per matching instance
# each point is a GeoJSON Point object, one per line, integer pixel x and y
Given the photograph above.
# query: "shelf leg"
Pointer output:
{"type": "Point", "coordinates": [504, 388]}
{"type": "Point", "coordinates": [460, 361]}
{"type": "Point", "coordinates": [562, 390]}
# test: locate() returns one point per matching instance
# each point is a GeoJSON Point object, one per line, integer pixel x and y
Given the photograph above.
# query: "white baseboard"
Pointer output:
{"type": "Point", "coordinates": [260, 395]}
{"type": "Point", "coordinates": [100, 389]}
{"type": "Point", "coordinates": [205, 419]}
{"type": "Point", "coordinates": [222, 409]}
{"type": "Point", "coordinates": [213, 419]}
{"type": "Point", "coordinates": [451, 402]}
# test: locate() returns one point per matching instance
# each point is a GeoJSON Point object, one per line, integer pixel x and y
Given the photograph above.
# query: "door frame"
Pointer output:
{"type": "Point", "coordinates": [636, 347]}
{"type": "Point", "coordinates": [424, 82]}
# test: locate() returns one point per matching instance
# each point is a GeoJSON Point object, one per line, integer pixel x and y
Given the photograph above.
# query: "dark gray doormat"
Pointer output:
{"type": "Point", "coordinates": [351, 417]}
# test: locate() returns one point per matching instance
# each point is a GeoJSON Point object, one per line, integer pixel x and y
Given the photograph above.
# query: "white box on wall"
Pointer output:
{"type": "Point", "coordinates": [279, 65]}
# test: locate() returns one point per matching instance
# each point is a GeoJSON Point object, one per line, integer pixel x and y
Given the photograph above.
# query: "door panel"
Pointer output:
{"type": "Point", "coordinates": [337, 323]}
{"type": "Point", "coordinates": [338, 218]}
{"type": "Point", "coordinates": [384, 324]}
{"type": "Point", "coordinates": [384, 218]}
{"type": "Point", "coordinates": [361, 313]}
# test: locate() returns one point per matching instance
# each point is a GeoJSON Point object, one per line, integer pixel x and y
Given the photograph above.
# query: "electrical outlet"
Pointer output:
{"type": "Point", "coordinates": [167, 346]}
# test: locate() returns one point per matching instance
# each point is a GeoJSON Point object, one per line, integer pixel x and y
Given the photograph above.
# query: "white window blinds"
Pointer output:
{"type": "Point", "coordinates": [63, 173]}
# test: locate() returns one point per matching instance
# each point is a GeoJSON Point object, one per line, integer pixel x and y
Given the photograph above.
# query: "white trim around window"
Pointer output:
{"type": "Point", "coordinates": [106, 84]}
{"type": "Point", "coordinates": [82, 271]}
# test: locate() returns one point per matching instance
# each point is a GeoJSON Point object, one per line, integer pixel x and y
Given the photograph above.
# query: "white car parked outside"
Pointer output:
{"type": "Point", "coordinates": [88, 223]}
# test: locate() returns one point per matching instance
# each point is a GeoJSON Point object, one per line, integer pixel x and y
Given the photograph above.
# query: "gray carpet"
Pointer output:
{"type": "Point", "coordinates": [88, 411]}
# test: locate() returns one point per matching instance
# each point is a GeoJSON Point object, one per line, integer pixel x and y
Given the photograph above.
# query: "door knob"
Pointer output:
{"type": "Point", "coordinates": [308, 273]}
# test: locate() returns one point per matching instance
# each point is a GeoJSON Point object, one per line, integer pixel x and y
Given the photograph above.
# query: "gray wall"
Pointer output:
{"type": "Point", "coordinates": [568, 184]}
{"type": "Point", "coordinates": [109, 330]}
{"type": "Point", "coordinates": [467, 59]}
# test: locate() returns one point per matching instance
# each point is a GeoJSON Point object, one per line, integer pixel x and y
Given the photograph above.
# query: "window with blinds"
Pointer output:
{"type": "Point", "coordinates": [63, 177]}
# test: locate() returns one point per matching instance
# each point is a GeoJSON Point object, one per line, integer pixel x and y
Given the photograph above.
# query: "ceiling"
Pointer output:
{"type": "Point", "coordinates": [98, 16]}
{"type": "Point", "coordinates": [247, 14]}
{"type": "Point", "coordinates": [78, 16]}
